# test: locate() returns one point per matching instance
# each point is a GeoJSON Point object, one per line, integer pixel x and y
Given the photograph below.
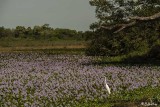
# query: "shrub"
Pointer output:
{"type": "Point", "coordinates": [154, 52]}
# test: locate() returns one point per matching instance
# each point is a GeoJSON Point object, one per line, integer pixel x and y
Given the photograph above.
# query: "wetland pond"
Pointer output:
{"type": "Point", "coordinates": [43, 80]}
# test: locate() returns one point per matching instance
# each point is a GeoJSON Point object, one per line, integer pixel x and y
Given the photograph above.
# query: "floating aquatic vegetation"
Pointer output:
{"type": "Point", "coordinates": [34, 79]}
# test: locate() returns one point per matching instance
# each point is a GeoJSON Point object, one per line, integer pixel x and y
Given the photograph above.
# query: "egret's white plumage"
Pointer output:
{"type": "Point", "coordinates": [107, 87]}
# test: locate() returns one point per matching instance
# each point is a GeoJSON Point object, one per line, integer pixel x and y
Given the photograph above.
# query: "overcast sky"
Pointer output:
{"type": "Point", "coordinates": [72, 14]}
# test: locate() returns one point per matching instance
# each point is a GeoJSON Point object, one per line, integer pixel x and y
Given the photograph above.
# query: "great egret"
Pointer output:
{"type": "Point", "coordinates": [107, 87]}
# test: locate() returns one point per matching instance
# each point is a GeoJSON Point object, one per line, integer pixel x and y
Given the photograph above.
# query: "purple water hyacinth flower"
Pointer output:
{"type": "Point", "coordinates": [66, 78]}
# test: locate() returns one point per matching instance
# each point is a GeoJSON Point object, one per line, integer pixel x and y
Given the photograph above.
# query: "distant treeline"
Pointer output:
{"type": "Point", "coordinates": [43, 32]}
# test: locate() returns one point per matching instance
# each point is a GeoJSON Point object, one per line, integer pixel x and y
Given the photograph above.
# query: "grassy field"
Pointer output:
{"type": "Point", "coordinates": [30, 44]}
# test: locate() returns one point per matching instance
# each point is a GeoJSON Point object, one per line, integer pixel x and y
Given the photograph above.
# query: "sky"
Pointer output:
{"type": "Point", "coordinates": [71, 14]}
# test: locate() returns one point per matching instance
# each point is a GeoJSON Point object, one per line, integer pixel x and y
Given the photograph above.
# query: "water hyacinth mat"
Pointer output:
{"type": "Point", "coordinates": [42, 80]}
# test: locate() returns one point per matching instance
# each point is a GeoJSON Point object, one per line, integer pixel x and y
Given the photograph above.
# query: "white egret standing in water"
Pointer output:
{"type": "Point", "coordinates": [107, 87]}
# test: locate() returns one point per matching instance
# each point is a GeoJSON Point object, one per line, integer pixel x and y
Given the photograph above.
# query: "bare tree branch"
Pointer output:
{"type": "Point", "coordinates": [153, 17]}
{"type": "Point", "coordinates": [125, 26]}
{"type": "Point", "coordinates": [134, 20]}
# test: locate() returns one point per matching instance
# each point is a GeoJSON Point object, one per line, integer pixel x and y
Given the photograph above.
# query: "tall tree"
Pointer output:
{"type": "Point", "coordinates": [119, 14]}
{"type": "Point", "coordinates": [20, 31]}
{"type": "Point", "coordinates": [124, 25]}
{"type": "Point", "coordinates": [2, 32]}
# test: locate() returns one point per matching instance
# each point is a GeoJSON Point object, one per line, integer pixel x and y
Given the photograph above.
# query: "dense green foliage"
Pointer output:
{"type": "Point", "coordinates": [44, 32]}
{"type": "Point", "coordinates": [141, 37]}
